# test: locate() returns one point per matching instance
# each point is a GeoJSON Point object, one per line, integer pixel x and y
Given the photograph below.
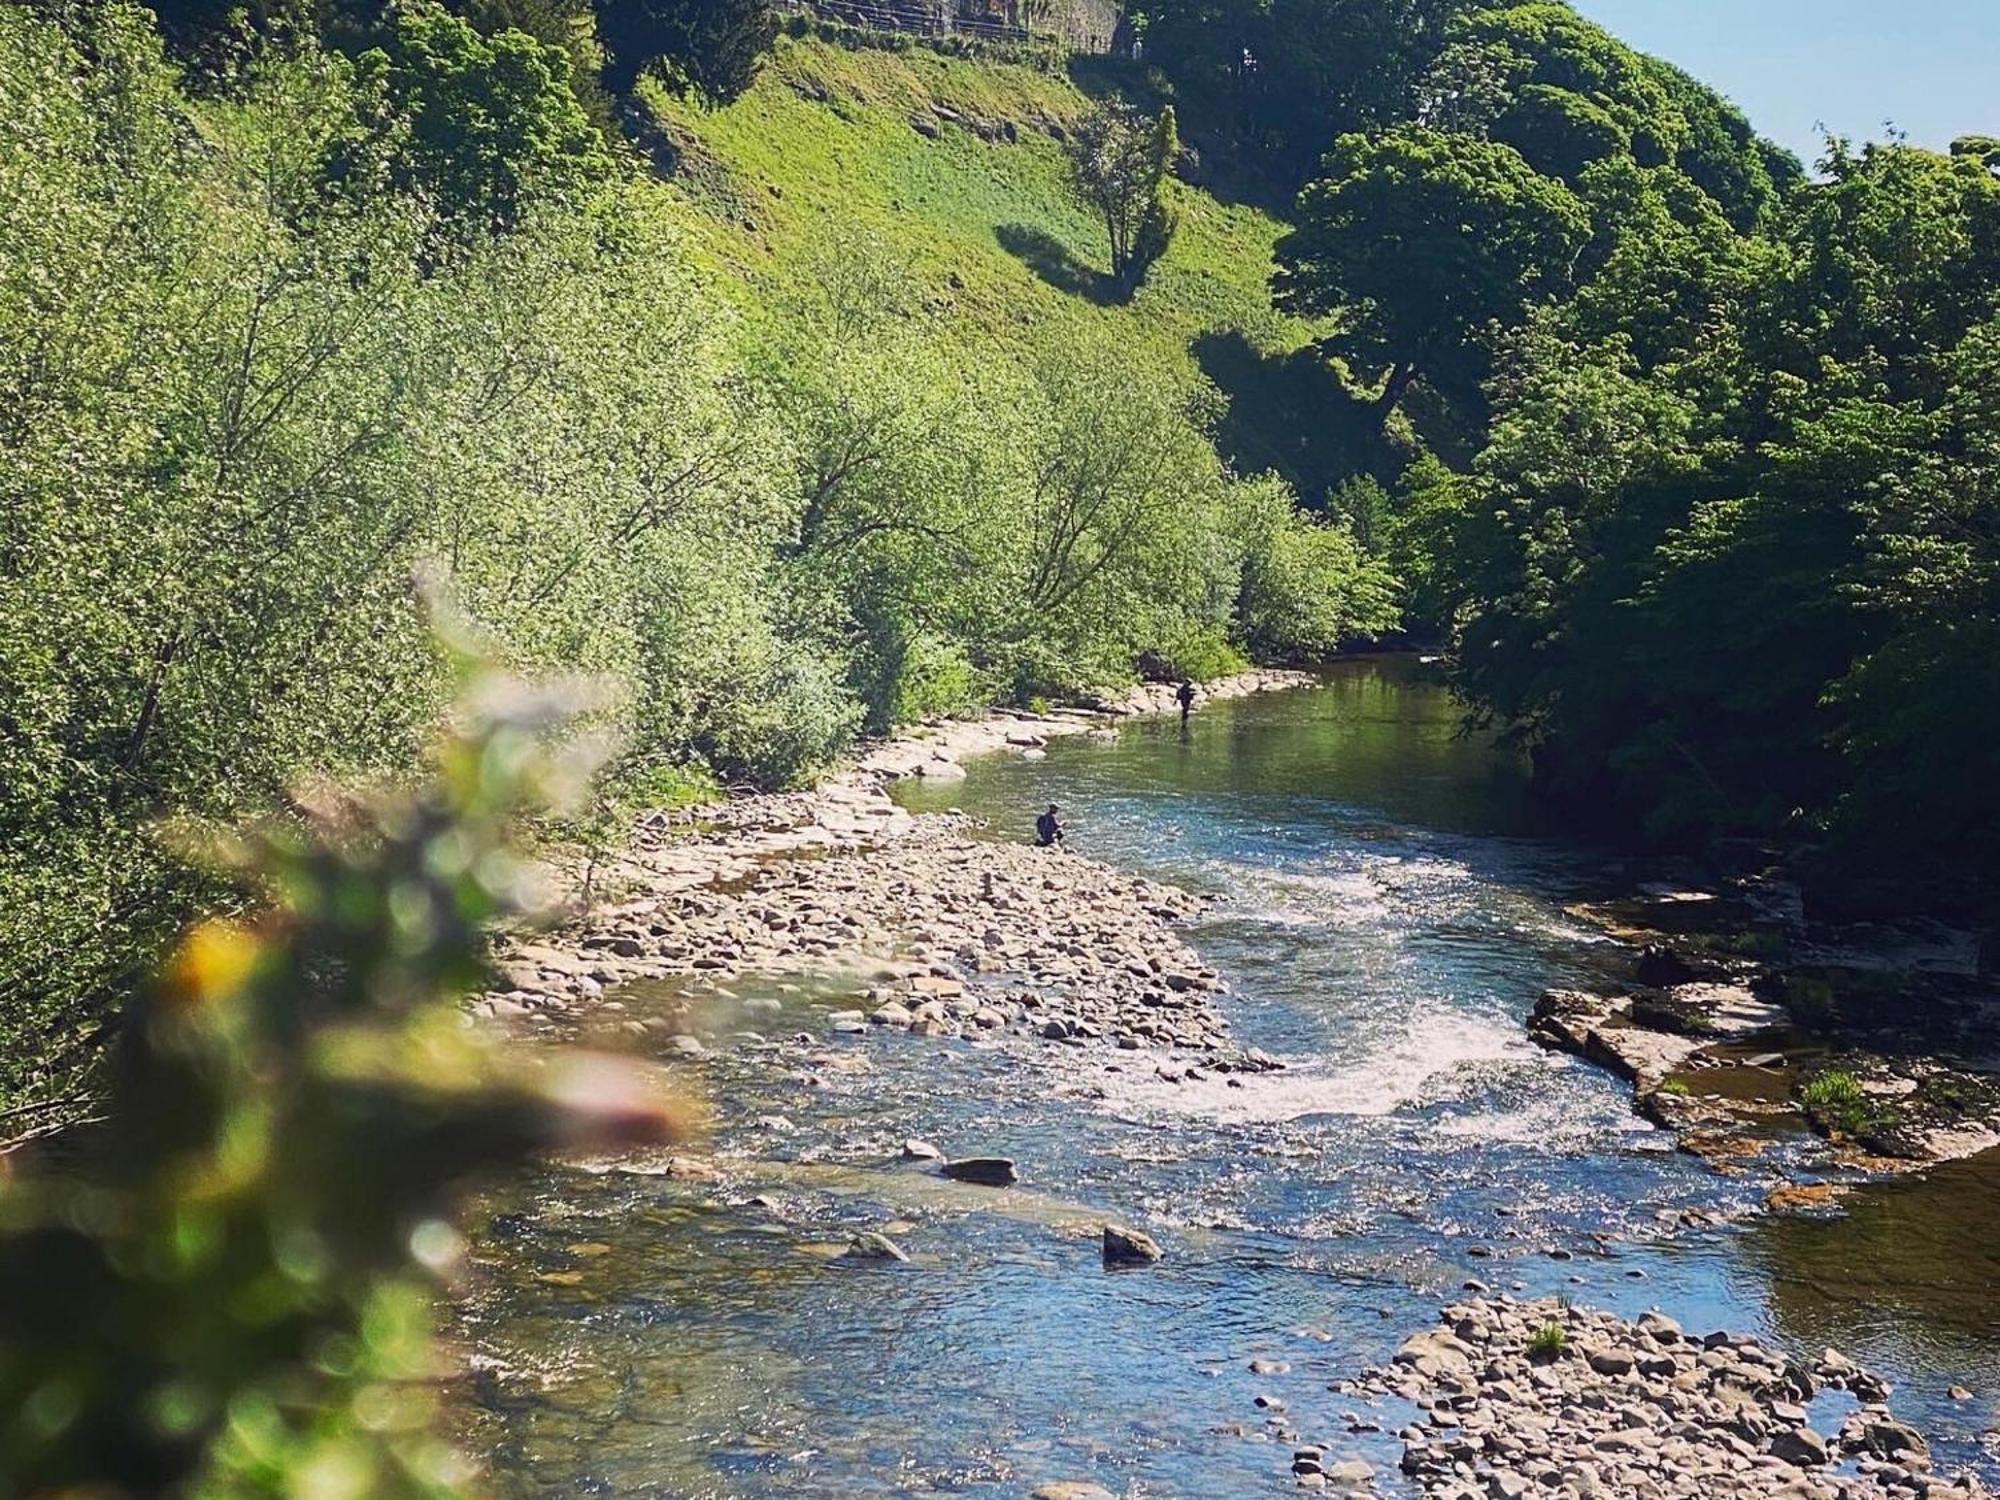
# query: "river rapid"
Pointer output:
{"type": "Point", "coordinates": [1385, 912]}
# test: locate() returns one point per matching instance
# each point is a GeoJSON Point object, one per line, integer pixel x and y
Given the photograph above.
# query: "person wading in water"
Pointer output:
{"type": "Point", "coordinates": [1048, 830]}
{"type": "Point", "coordinates": [1185, 697]}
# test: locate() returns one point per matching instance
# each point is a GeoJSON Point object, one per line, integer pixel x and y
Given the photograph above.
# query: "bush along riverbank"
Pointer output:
{"type": "Point", "coordinates": [1735, 1017]}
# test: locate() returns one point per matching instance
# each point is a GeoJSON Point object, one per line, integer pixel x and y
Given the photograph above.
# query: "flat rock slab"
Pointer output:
{"type": "Point", "coordinates": [1599, 1029]}
{"type": "Point", "coordinates": [986, 1171]}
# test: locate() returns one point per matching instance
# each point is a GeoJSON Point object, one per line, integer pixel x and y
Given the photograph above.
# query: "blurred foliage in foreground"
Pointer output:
{"type": "Point", "coordinates": [227, 1294]}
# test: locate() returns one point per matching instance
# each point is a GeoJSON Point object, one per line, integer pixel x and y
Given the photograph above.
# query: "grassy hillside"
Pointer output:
{"type": "Point", "coordinates": [953, 168]}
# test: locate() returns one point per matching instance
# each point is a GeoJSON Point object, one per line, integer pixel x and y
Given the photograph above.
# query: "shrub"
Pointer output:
{"type": "Point", "coordinates": [1202, 652]}
{"type": "Point", "coordinates": [481, 127]}
{"type": "Point", "coordinates": [1308, 587]}
{"type": "Point", "coordinates": [1548, 1342]}
{"type": "Point", "coordinates": [1836, 1100]}
{"type": "Point", "coordinates": [712, 48]}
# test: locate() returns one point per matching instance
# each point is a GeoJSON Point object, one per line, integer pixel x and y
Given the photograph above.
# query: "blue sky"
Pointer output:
{"type": "Point", "coordinates": [1930, 66]}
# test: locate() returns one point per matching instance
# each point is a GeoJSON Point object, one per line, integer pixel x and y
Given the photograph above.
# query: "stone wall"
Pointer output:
{"type": "Point", "coordinates": [1082, 25]}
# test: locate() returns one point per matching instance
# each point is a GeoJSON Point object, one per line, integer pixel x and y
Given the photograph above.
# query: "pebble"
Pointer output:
{"type": "Point", "coordinates": [871, 1246]}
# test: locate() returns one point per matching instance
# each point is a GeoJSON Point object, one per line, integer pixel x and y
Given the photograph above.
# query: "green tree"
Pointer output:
{"type": "Point", "coordinates": [1309, 587]}
{"type": "Point", "coordinates": [570, 25]}
{"type": "Point", "coordinates": [1566, 93]}
{"type": "Point", "coordinates": [1417, 242]}
{"type": "Point", "coordinates": [1726, 560]}
{"type": "Point", "coordinates": [711, 48]}
{"type": "Point", "coordinates": [478, 127]}
{"type": "Point", "coordinates": [1984, 149]}
{"type": "Point", "coordinates": [1283, 78]}
{"type": "Point", "coordinates": [1119, 162]}
{"type": "Point", "coordinates": [1917, 728]}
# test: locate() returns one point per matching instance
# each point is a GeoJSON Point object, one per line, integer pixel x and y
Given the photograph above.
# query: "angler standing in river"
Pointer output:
{"type": "Point", "coordinates": [1185, 697]}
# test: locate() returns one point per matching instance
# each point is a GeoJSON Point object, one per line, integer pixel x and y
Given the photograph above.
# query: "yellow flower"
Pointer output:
{"type": "Point", "coordinates": [212, 962]}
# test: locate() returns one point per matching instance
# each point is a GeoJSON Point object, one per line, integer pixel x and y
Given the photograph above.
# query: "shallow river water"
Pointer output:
{"type": "Point", "coordinates": [1385, 915]}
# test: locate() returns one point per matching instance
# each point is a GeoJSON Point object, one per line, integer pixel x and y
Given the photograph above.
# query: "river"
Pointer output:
{"type": "Point", "coordinates": [1386, 912]}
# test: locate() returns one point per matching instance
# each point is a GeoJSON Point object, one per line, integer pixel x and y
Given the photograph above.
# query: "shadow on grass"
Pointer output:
{"type": "Point", "coordinates": [1058, 265]}
{"type": "Point", "coordinates": [1215, 155]}
{"type": "Point", "coordinates": [1290, 413]}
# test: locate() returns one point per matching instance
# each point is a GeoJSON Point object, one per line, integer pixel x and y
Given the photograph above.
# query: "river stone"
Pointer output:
{"type": "Point", "coordinates": [1130, 1247]}
{"type": "Point", "coordinates": [916, 1150]}
{"type": "Point", "coordinates": [1070, 1489]}
{"type": "Point", "coordinates": [1801, 1446]}
{"type": "Point", "coordinates": [987, 1171]}
{"type": "Point", "coordinates": [872, 1246]}
{"type": "Point", "coordinates": [1884, 1436]}
{"type": "Point", "coordinates": [1663, 1328]}
{"type": "Point", "coordinates": [1662, 968]}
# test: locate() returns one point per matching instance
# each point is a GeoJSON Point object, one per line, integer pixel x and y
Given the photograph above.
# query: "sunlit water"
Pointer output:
{"type": "Point", "coordinates": [1385, 920]}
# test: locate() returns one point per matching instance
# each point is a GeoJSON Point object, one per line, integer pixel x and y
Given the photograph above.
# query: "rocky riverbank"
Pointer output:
{"type": "Point", "coordinates": [1517, 1399]}
{"type": "Point", "coordinates": [1738, 1019]}
{"type": "Point", "coordinates": [947, 934]}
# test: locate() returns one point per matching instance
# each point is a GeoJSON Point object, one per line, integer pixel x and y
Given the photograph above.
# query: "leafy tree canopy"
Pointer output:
{"type": "Point", "coordinates": [479, 127]}
{"type": "Point", "coordinates": [1417, 240]}
{"type": "Point", "coordinates": [1730, 557]}
{"type": "Point", "coordinates": [711, 48]}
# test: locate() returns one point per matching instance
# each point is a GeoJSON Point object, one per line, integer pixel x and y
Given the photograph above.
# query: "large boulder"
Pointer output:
{"type": "Point", "coordinates": [1130, 1247]}
{"type": "Point", "coordinates": [987, 1171]}
{"type": "Point", "coordinates": [1662, 968]}
{"type": "Point", "coordinates": [872, 1246]}
{"type": "Point", "coordinates": [1800, 1446]}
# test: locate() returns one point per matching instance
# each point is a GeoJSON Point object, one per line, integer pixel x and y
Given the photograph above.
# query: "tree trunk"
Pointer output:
{"type": "Point", "coordinates": [1400, 377]}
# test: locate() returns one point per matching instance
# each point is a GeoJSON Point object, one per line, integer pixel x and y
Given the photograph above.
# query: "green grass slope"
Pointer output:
{"type": "Point", "coordinates": [953, 167]}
